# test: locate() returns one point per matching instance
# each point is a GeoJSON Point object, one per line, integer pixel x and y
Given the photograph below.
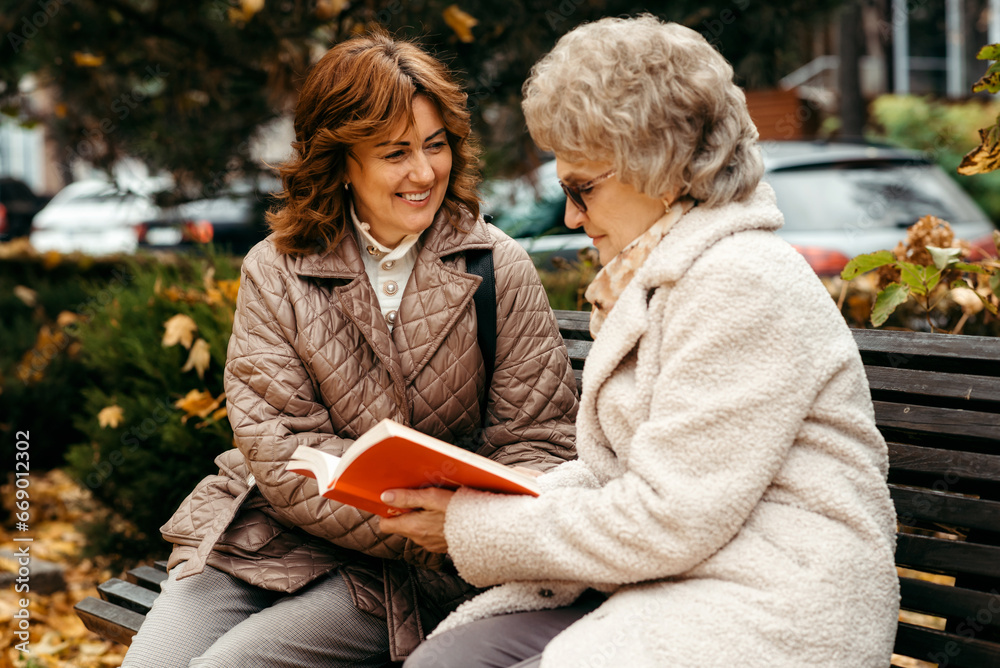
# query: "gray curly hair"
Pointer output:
{"type": "Point", "coordinates": [654, 99]}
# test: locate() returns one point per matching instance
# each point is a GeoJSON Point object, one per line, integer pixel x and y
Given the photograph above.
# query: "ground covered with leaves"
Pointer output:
{"type": "Point", "coordinates": [58, 638]}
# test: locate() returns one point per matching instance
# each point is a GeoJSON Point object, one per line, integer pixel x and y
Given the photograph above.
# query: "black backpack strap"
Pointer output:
{"type": "Point", "coordinates": [480, 262]}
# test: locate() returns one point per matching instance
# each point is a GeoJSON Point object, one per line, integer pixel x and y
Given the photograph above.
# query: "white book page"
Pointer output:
{"type": "Point", "coordinates": [322, 465]}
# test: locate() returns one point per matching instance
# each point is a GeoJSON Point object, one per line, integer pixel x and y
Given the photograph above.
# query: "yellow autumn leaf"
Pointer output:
{"type": "Point", "coordinates": [229, 289]}
{"type": "Point", "coordinates": [327, 9]}
{"type": "Point", "coordinates": [245, 11]}
{"type": "Point", "coordinates": [179, 329]}
{"type": "Point", "coordinates": [33, 363]}
{"type": "Point", "coordinates": [51, 259]}
{"type": "Point", "coordinates": [173, 293]}
{"type": "Point", "coordinates": [214, 417]}
{"type": "Point", "coordinates": [26, 295]}
{"type": "Point", "coordinates": [208, 280]}
{"type": "Point", "coordinates": [110, 416]}
{"type": "Point", "coordinates": [87, 59]}
{"type": "Point", "coordinates": [213, 296]}
{"type": "Point", "coordinates": [968, 299]}
{"type": "Point", "coordinates": [66, 318]}
{"type": "Point", "coordinates": [52, 642]}
{"type": "Point", "coordinates": [985, 157]}
{"type": "Point", "coordinates": [158, 285]}
{"type": "Point", "coordinates": [198, 403]}
{"type": "Point", "coordinates": [198, 359]}
{"type": "Point", "coordinates": [251, 7]}
{"type": "Point", "coordinates": [61, 110]}
{"type": "Point", "coordinates": [460, 21]}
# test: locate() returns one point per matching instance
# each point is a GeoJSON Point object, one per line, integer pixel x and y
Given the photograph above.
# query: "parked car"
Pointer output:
{"type": "Point", "coordinates": [232, 220]}
{"type": "Point", "coordinates": [96, 217]}
{"type": "Point", "coordinates": [18, 207]}
{"type": "Point", "coordinates": [839, 201]}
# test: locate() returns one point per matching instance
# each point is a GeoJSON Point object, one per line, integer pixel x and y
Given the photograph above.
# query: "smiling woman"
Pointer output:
{"type": "Point", "coordinates": [399, 185]}
{"type": "Point", "coordinates": [406, 132]}
{"type": "Point", "coordinates": [359, 307]}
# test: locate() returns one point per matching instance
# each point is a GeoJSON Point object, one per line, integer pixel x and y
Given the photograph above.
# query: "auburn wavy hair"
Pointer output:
{"type": "Point", "coordinates": [360, 90]}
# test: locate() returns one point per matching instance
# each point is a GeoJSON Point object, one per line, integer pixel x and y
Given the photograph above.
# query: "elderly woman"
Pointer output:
{"type": "Point", "coordinates": [729, 505]}
{"type": "Point", "coordinates": [357, 308]}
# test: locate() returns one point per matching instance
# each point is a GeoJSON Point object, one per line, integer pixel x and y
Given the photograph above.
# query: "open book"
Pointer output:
{"type": "Point", "coordinates": [391, 455]}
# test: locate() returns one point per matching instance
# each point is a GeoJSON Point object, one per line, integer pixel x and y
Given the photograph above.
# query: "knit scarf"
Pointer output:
{"type": "Point", "coordinates": [609, 283]}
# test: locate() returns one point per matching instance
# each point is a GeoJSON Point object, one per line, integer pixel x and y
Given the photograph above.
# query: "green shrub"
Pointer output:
{"type": "Point", "coordinates": [40, 372]}
{"type": "Point", "coordinates": [151, 428]}
{"type": "Point", "coordinates": [566, 282]}
{"type": "Point", "coordinates": [946, 131]}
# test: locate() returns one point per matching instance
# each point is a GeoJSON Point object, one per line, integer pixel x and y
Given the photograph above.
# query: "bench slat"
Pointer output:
{"type": "Point", "coordinates": [904, 344]}
{"type": "Point", "coordinates": [931, 420]}
{"type": "Point", "coordinates": [573, 321]}
{"type": "Point", "coordinates": [147, 576]}
{"type": "Point", "coordinates": [941, 600]}
{"type": "Point", "coordinates": [135, 598]}
{"type": "Point", "coordinates": [108, 620]}
{"type": "Point", "coordinates": [950, 557]}
{"type": "Point", "coordinates": [949, 509]}
{"type": "Point", "coordinates": [945, 648]}
{"type": "Point", "coordinates": [946, 463]}
{"type": "Point", "coordinates": [922, 343]}
{"type": "Point", "coordinates": [578, 352]}
{"type": "Point", "coordinates": [933, 383]}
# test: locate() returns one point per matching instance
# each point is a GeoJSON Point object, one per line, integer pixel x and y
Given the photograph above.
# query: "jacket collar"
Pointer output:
{"type": "Point", "coordinates": [701, 229]}
{"type": "Point", "coordinates": [441, 239]}
{"type": "Point", "coordinates": [435, 297]}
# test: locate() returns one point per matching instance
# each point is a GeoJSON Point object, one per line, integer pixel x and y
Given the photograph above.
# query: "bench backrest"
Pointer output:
{"type": "Point", "coordinates": [937, 403]}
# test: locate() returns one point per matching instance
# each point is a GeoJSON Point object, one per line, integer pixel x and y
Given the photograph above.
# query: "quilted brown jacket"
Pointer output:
{"type": "Point", "coordinates": [312, 362]}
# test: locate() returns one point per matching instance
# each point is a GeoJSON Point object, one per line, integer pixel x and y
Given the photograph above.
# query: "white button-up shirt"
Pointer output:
{"type": "Point", "coordinates": [388, 269]}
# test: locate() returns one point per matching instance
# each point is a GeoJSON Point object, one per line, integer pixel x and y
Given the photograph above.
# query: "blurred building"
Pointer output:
{"type": "Point", "coordinates": [29, 154]}
{"type": "Point", "coordinates": [919, 47]}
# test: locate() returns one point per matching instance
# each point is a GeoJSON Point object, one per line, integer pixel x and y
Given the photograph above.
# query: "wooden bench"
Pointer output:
{"type": "Point", "coordinates": [937, 401]}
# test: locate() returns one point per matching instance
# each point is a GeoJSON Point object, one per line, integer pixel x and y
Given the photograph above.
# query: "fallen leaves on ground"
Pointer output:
{"type": "Point", "coordinates": [58, 639]}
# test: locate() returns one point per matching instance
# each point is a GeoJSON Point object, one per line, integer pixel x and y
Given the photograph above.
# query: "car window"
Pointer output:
{"type": "Point", "coordinates": [542, 217]}
{"type": "Point", "coordinates": [527, 207]}
{"type": "Point", "coordinates": [110, 196]}
{"type": "Point", "coordinates": [861, 196]}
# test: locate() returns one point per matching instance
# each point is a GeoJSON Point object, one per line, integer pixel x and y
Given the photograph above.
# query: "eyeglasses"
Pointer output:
{"type": "Point", "coordinates": [575, 193]}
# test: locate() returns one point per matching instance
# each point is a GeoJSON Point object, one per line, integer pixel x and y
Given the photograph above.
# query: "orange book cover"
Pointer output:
{"type": "Point", "coordinates": [391, 455]}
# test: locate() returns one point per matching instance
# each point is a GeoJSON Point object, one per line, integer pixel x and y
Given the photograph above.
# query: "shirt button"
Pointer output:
{"type": "Point", "coordinates": [545, 593]}
{"type": "Point", "coordinates": [390, 317]}
{"type": "Point", "coordinates": [388, 264]}
{"type": "Point", "coordinates": [390, 288]}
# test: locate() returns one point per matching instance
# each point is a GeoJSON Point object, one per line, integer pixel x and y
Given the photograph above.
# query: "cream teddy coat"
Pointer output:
{"type": "Point", "coordinates": [730, 490]}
